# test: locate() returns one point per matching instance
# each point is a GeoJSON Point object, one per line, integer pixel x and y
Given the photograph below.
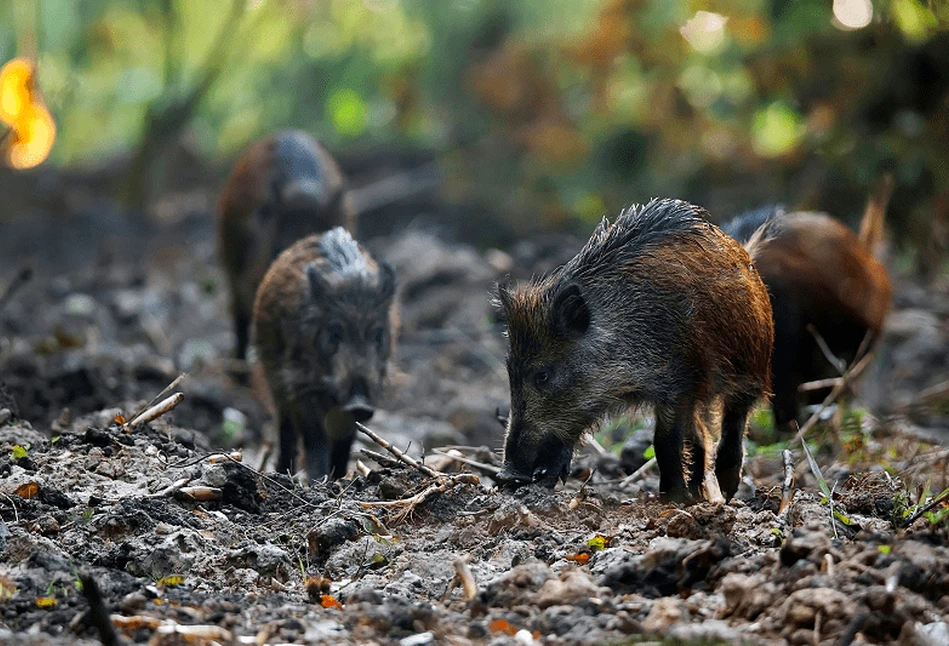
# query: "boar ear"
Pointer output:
{"type": "Point", "coordinates": [570, 314]}
{"type": "Point", "coordinates": [319, 288]}
{"type": "Point", "coordinates": [501, 299]}
{"type": "Point", "coordinates": [386, 280]}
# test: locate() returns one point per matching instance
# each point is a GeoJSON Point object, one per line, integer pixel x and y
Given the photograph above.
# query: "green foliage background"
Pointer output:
{"type": "Point", "coordinates": [552, 111]}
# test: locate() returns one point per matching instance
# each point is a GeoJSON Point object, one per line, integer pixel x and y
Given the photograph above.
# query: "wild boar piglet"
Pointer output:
{"type": "Point", "coordinates": [282, 188]}
{"type": "Point", "coordinates": [660, 307]}
{"type": "Point", "coordinates": [324, 323]}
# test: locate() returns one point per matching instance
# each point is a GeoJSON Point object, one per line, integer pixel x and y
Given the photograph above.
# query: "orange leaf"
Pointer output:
{"type": "Point", "coordinates": [581, 559]}
{"type": "Point", "coordinates": [120, 419]}
{"type": "Point", "coordinates": [28, 490]}
{"type": "Point", "coordinates": [330, 602]}
{"type": "Point", "coordinates": [502, 626]}
{"type": "Point", "coordinates": [46, 602]}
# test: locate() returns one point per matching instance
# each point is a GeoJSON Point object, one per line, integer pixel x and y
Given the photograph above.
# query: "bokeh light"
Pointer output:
{"type": "Point", "coordinates": [853, 14]}
{"type": "Point", "coordinates": [33, 130]}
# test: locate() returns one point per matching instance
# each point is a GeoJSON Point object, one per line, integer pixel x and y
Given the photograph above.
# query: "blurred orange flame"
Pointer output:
{"type": "Point", "coordinates": [32, 129]}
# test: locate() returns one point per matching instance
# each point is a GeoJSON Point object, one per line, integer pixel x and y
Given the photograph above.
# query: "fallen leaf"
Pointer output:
{"type": "Point", "coordinates": [581, 559]}
{"type": "Point", "coordinates": [46, 602]}
{"type": "Point", "coordinates": [502, 626]}
{"type": "Point", "coordinates": [330, 602]}
{"type": "Point", "coordinates": [28, 490]}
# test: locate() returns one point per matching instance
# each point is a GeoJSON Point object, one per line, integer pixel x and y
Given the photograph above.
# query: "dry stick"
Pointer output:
{"type": "Point", "coordinates": [402, 457]}
{"type": "Point", "coordinates": [164, 390]}
{"type": "Point", "coordinates": [171, 489]}
{"type": "Point", "coordinates": [834, 360]}
{"type": "Point", "coordinates": [16, 514]}
{"type": "Point", "coordinates": [156, 411]}
{"type": "Point", "coordinates": [23, 277]}
{"type": "Point", "coordinates": [463, 573]}
{"type": "Point", "coordinates": [464, 460]}
{"type": "Point", "coordinates": [788, 459]}
{"type": "Point", "coordinates": [638, 473]}
{"type": "Point", "coordinates": [819, 384]}
{"type": "Point", "coordinates": [852, 373]}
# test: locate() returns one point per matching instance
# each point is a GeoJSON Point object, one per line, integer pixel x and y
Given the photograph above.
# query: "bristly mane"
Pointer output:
{"type": "Point", "coordinates": [341, 253]}
{"type": "Point", "coordinates": [743, 226]}
{"type": "Point", "coordinates": [637, 231]}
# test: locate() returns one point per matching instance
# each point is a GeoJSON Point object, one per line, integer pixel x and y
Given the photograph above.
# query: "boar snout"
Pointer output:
{"type": "Point", "coordinates": [359, 405]}
{"type": "Point", "coordinates": [550, 462]}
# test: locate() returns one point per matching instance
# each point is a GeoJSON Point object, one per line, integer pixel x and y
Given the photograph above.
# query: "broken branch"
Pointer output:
{"type": "Point", "coordinates": [156, 411]}
{"type": "Point", "coordinates": [402, 457]}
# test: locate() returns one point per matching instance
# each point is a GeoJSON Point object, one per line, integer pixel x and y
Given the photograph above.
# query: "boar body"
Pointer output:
{"type": "Point", "coordinates": [323, 329]}
{"type": "Point", "coordinates": [281, 189]}
{"type": "Point", "coordinates": [659, 307]}
{"type": "Point", "coordinates": [820, 274]}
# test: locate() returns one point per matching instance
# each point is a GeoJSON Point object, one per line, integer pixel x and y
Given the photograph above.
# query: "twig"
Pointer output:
{"type": "Point", "coordinates": [402, 457]}
{"type": "Point", "coordinates": [852, 373]}
{"type": "Point", "coordinates": [171, 489]}
{"type": "Point", "coordinates": [597, 447]}
{"type": "Point", "coordinates": [16, 514]}
{"type": "Point", "coordinates": [156, 411]}
{"type": "Point", "coordinates": [464, 460]}
{"type": "Point", "coordinates": [919, 513]}
{"type": "Point", "coordinates": [396, 188]}
{"type": "Point", "coordinates": [163, 392]}
{"type": "Point", "coordinates": [98, 613]}
{"type": "Point", "coordinates": [830, 504]}
{"type": "Point", "coordinates": [819, 384]}
{"type": "Point", "coordinates": [834, 360]}
{"type": "Point", "coordinates": [788, 458]}
{"type": "Point", "coordinates": [638, 473]}
{"type": "Point", "coordinates": [463, 572]}
{"type": "Point", "coordinates": [22, 277]}
{"type": "Point", "coordinates": [381, 459]}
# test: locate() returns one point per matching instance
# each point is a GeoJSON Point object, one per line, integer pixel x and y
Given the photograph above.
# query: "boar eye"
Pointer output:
{"type": "Point", "coordinates": [541, 377]}
{"type": "Point", "coordinates": [331, 337]}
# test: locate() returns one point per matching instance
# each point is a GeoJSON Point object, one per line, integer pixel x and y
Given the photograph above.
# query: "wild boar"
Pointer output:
{"type": "Point", "coordinates": [282, 188]}
{"type": "Point", "coordinates": [820, 276]}
{"type": "Point", "coordinates": [324, 323]}
{"type": "Point", "coordinates": [660, 307]}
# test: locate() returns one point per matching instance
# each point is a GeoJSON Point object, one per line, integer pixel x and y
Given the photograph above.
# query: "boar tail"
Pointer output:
{"type": "Point", "coordinates": [871, 225]}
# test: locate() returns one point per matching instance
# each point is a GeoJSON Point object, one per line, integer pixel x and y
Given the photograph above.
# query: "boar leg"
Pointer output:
{"type": "Point", "coordinates": [339, 454]}
{"type": "Point", "coordinates": [672, 426]}
{"type": "Point", "coordinates": [288, 444]}
{"type": "Point", "coordinates": [316, 446]}
{"type": "Point", "coordinates": [241, 330]}
{"type": "Point", "coordinates": [731, 450]}
{"type": "Point", "coordinates": [697, 443]}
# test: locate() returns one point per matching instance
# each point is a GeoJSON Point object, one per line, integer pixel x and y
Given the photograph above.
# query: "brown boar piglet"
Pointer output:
{"type": "Point", "coordinates": [660, 307]}
{"type": "Point", "coordinates": [324, 322]}
{"type": "Point", "coordinates": [282, 188]}
{"type": "Point", "coordinates": [820, 276]}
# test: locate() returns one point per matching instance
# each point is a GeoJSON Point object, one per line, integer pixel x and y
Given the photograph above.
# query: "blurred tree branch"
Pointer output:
{"type": "Point", "coordinates": [167, 116]}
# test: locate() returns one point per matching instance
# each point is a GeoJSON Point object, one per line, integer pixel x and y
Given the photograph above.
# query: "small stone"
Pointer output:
{"type": "Point", "coordinates": [5, 415]}
{"type": "Point", "coordinates": [421, 639]}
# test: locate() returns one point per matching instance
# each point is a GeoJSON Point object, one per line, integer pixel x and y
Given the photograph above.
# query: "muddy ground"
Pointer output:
{"type": "Point", "coordinates": [117, 308]}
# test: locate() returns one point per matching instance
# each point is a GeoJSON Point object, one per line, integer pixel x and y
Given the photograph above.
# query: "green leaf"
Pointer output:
{"type": "Point", "coordinates": [816, 471]}
{"type": "Point", "coordinates": [884, 549]}
{"type": "Point", "coordinates": [598, 542]}
{"type": "Point", "coordinates": [19, 452]}
{"type": "Point", "coordinates": [650, 453]}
